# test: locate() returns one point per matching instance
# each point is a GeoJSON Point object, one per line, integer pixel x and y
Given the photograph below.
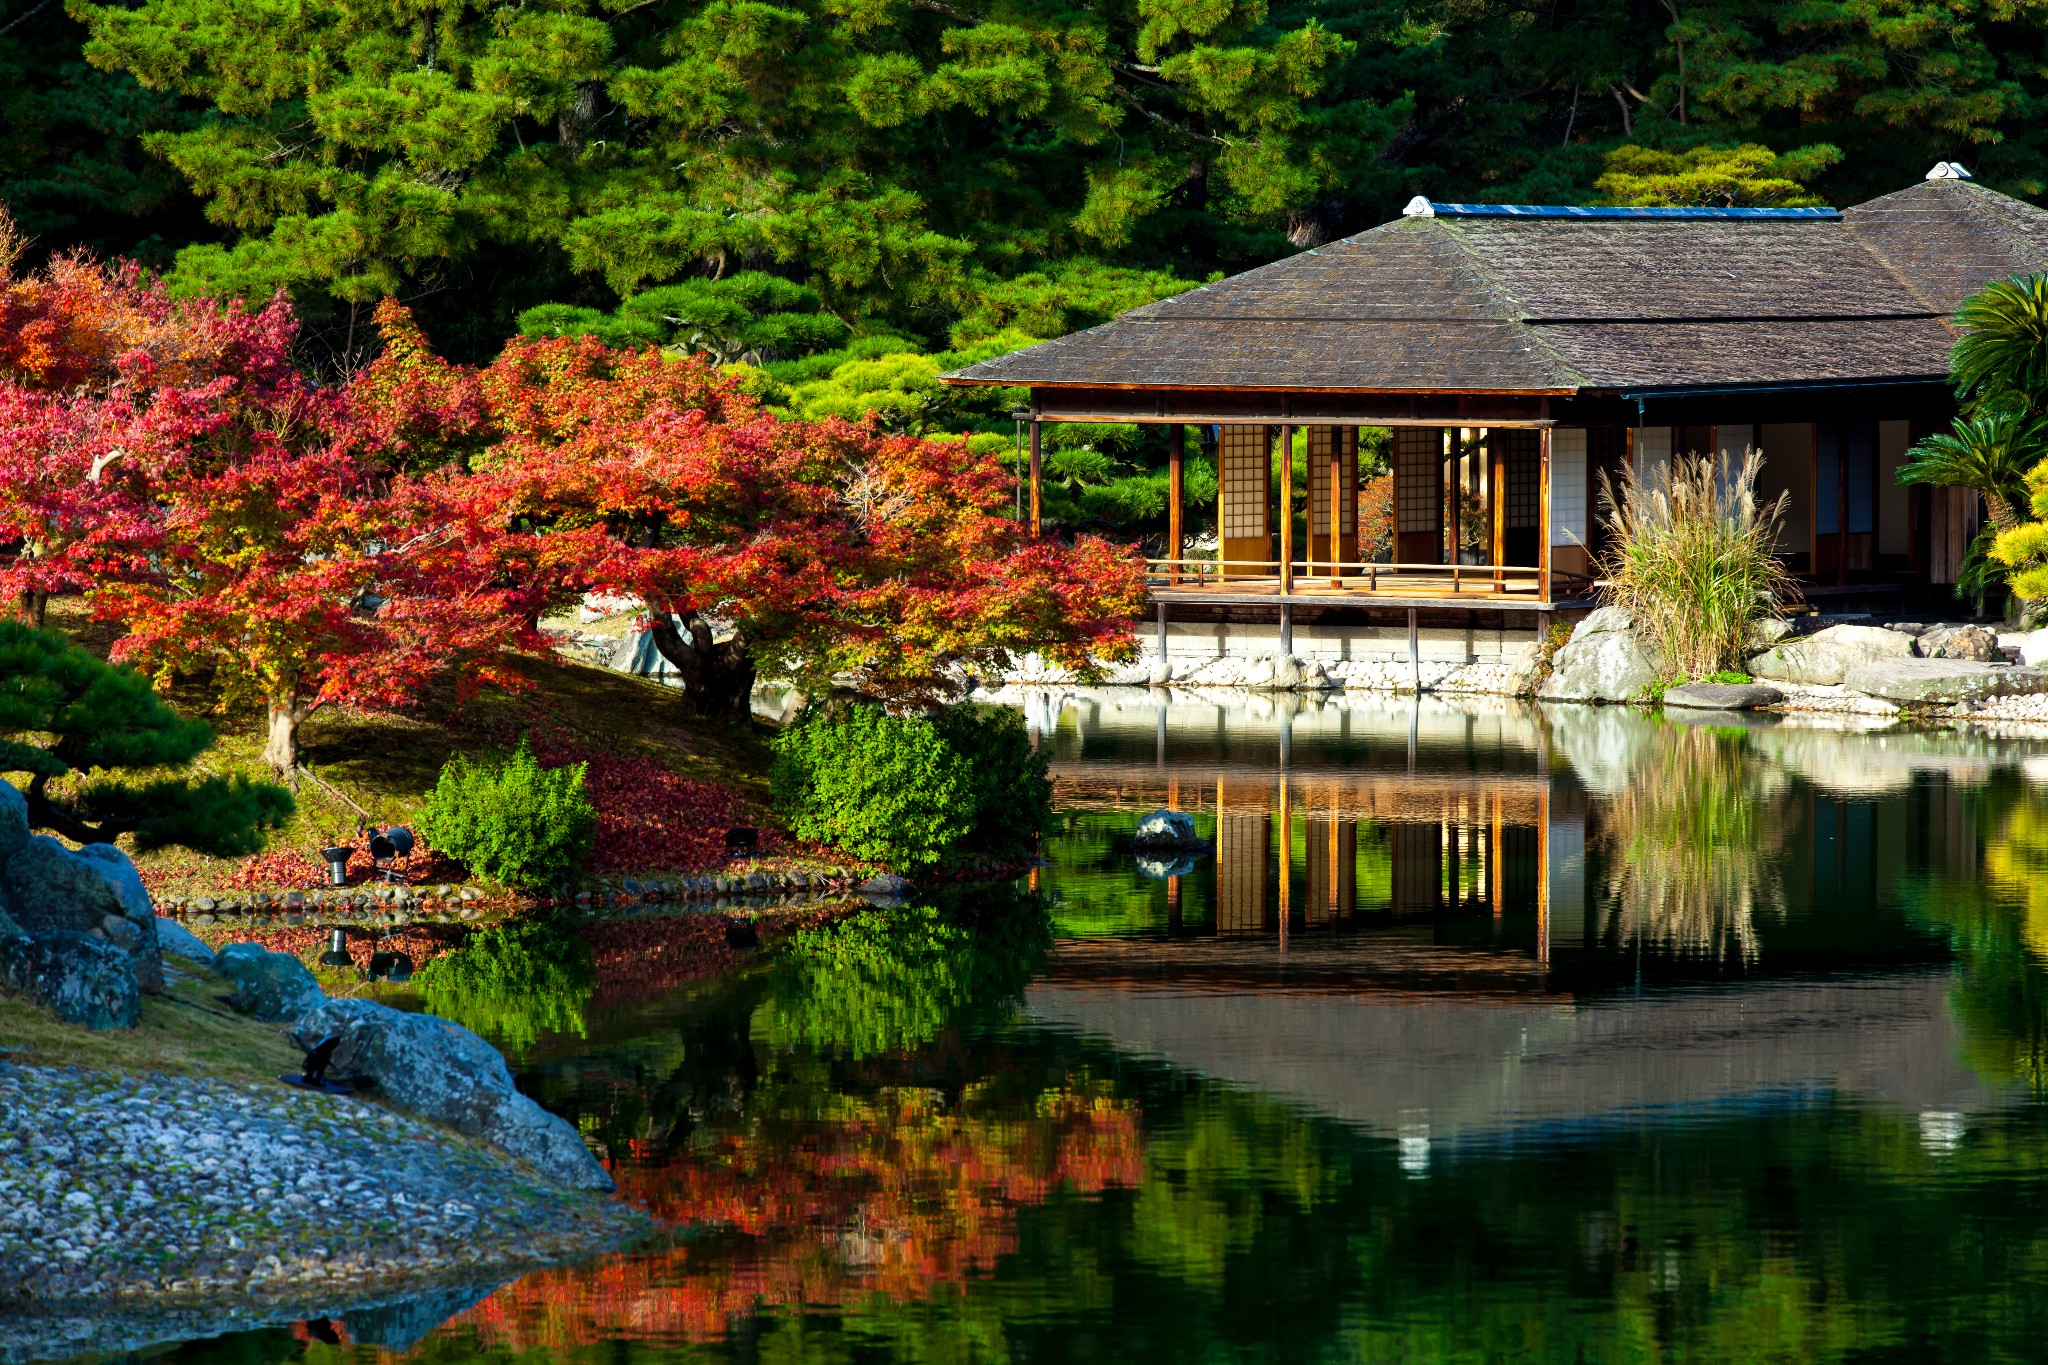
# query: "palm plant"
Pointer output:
{"type": "Point", "coordinates": [2002, 360]}
{"type": "Point", "coordinates": [1990, 454]}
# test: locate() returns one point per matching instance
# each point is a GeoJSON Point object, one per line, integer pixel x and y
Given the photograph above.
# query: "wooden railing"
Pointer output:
{"type": "Point", "coordinates": [1262, 577]}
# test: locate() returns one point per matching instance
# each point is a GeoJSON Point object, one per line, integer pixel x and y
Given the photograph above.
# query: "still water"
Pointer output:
{"type": "Point", "coordinates": [1487, 1034]}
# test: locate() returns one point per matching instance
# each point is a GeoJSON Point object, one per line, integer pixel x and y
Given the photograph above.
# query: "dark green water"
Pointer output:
{"type": "Point", "coordinates": [1486, 1036]}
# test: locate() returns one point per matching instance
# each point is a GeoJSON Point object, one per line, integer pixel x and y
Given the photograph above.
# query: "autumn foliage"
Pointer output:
{"type": "Point", "coordinates": [898, 1194]}
{"type": "Point", "coordinates": [300, 546]}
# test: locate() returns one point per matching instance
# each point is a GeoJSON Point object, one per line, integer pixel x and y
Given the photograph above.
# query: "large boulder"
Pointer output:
{"type": "Point", "coordinates": [1944, 682]}
{"type": "Point", "coordinates": [1604, 661]}
{"type": "Point", "coordinates": [443, 1072]}
{"type": "Point", "coordinates": [60, 898]}
{"type": "Point", "coordinates": [79, 978]}
{"type": "Point", "coordinates": [1958, 642]}
{"type": "Point", "coordinates": [268, 986]}
{"type": "Point", "coordinates": [175, 939]}
{"type": "Point", "coordinates": [2034, 649]}
{"type": "Point", "coordinates": [1823, 658]}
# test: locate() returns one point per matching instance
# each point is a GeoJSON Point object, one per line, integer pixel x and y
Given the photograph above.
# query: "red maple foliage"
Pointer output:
{"type": "Point", "coordinates": [824, 1204]}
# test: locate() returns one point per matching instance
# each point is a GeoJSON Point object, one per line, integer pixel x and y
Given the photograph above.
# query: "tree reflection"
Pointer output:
{"type": "Point", "coordinates": [512, 983]}
{"type": "Point", "coordinates": [887, 980]}
{"type": "Point", "coordinates": [832, 1198]}
{"type": "Point", "coordinates": [1693, 846]}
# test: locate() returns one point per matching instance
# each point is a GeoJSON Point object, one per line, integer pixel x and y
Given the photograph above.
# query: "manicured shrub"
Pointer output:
{"type": "Point", "coordinates": [1010, 793]}
{"type": "Point", "coordinates": [507, 818]}
{"type": "Point", "coordinates": [884, 788]}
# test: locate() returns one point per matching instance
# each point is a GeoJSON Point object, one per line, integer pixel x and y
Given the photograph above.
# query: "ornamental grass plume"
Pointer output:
{"type": "Point", "coordinates": [1694, 558]}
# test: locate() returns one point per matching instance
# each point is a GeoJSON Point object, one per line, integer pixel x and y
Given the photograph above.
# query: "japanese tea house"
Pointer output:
{"type": "Point", "coordinates": [1517, 351]}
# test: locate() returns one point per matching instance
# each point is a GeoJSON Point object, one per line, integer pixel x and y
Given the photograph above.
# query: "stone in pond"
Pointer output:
{"type": "Point", "coordinates": [1603, 665]}
{"type": "Point", "coordinates": [1168, 829]}
{"type": "Point", "coordinates": [1706, 696]}
{"type": "Point", "coordinates": [885, 886]}
{"type": "Point", "coordinates": [1932, 682]}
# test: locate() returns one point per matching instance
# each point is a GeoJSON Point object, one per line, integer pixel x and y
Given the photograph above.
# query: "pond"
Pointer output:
{"type": "Point", "coordinates": [1487, 1033]}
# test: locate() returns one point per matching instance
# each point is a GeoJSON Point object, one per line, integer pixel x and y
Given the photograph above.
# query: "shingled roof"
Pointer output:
{"type": "Point", "coordinates": [1484, 299]}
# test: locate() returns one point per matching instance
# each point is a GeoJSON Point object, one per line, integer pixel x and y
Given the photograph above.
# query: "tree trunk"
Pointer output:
{"type": "Point", "coordinates": [281, 749]}
{"type": "Point", "coordinates": [718, 677]}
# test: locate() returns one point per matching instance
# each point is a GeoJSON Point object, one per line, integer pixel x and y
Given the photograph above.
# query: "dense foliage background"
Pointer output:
{"type": "Point", "coordinates": [854, 195]}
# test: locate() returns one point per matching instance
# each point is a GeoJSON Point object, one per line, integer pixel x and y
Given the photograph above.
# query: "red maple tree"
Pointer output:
{"type": "Point", "coordinates": [823, 549]}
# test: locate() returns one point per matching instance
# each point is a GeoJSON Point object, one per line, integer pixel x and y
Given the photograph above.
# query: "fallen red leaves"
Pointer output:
{"type": "Point", "coordinates": [650, 820]}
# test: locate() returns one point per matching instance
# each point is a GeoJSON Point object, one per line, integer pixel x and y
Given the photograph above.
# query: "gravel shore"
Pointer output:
{"type": "Point", "coordinates": [188, 1193]}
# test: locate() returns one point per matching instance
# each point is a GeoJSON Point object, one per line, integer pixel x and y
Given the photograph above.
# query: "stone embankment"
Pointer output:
{"type": "Point", "coordinates": [1844, 666]}
{"type": "Point", "coordinates": [198, 1194]}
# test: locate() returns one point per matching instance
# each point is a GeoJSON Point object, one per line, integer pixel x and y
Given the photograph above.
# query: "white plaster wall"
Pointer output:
{"type": "Point", "coordinates": [1568, 492]}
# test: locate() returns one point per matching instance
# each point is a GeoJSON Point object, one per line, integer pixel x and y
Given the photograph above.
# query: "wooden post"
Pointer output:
{"type": "Point", "coordinates": [1415, 651]}
{"type": "Point", "coordinates": [1336, 504]}
{"type": "Point", "coordinates": [1176, 450]}
{"type": "Point", "coordinates": [1543, 519]}
{"type": "Point", "coordinates": [1496, 491]}
{"type": "Point", "coordinates": [1286, 508]}
{"type": "Point", "coordinates": [1287, 628]}
{"type": "Point", "coordinates": [1037, 511]}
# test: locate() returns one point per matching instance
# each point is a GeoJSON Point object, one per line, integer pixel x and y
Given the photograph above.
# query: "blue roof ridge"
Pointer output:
{"type": "Point", "coordinates": [1419, 207]}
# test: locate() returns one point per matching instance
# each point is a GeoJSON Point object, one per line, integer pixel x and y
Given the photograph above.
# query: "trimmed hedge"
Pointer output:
{"type": "Point", "coordinates": [507, 818]}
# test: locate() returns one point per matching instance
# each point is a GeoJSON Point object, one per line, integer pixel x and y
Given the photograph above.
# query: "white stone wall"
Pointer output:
{"type": "Point", "coordinates": [1197, 641]}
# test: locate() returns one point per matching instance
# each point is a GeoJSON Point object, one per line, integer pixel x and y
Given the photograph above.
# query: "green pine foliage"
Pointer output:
{"type": "Point", "coordinates": [507, 818]}
{"type": "Point", "coordinates": [1008, 782]}
{"type": "Point", "coordinates": [886, 789]}
{"type": "Point", "coordinates": [103, 755]}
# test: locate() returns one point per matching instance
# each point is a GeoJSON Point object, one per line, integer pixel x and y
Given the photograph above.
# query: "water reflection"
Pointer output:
{"type": "Point", "coordinates": [1488, 1032]}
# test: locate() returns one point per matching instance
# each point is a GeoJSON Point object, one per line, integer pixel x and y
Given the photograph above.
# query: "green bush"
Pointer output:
{"type": "Point", "coordinates": [507, 818]}
{"type": "Point", "coordinates": [884, 788]}
{"type": "Point", "coordinates": [1010, 792]}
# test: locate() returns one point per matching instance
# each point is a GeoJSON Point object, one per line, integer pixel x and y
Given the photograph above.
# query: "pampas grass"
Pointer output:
{"type": "Point", "coordinates": [1694, 558]}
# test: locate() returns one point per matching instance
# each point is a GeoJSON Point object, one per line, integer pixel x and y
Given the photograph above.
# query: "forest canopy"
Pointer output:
{"type": "Point", "coordinates": [932, 171]}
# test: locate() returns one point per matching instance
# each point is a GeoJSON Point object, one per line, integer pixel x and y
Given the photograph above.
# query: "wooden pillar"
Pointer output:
{"type": "Point", "coordinates": [1037, 484]}
{"type": "Point", "coordinates": [1286, 508]}
{"type": "Point", "coordinates": [1176, 450]}
{"type": "Point", "coordinates": [1286, 852]}
{"type": "Point", "coordinates": [1338, 495]}
{"type": "Point", "coordinates": [1543, 518]}
{"type": "Point", "coordinates": [1496, 497]}
{"type": "Point", "coordinates": [1414, 652]}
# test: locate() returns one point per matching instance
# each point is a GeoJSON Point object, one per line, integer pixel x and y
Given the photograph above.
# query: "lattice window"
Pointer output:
{"type": "Point", "coordinates": [1418, 479]}
{"type": "Point", "coordinates": [1320, 440]}
{"type": "Point", "coordinates": [1247, 483]}
{"type": "Point", "coordinates": [1521, 455]}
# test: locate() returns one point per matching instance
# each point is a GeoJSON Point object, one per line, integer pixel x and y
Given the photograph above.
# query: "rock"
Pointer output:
{"type": "Point", "coordinates": [1958, 642]}
{"type": "Point", "coordinates": [1168, 830]}
{"type": "Point", "coordinates": [885, 886]}
{"type": "Point", "coordinates": [267, 986]}
{"type": "Point", "coordinates": [120, 875]}
{"type": "Point", "coordinates": [1605, 621]}
{"type": "Point", "coordinates": [1701, 696]}
{"type": "Point", "coordinates": [1160, 674]}
{"type": "Point", "coordinates": [13, 819]}
{"type": "Point", "coordinates": [1286, 673]}
{"type": "Point", "coordinates": [1821, 659]}
{"type": "Point", "coordinates": [1258, 673]}
{"type": "Point", "coordinates": [1601, 665]}
{"type": "Point", "coordinates": [48, 888]}
{"type": "Point", "coordinates": [1769, 631]}
{"type": "Point", "coordinates": [81, 979]}
{"type": "Point", "coordinates": [174, 938]}
{"type": "Point", "coordinates": [2034, 649]}
{"type": "Point", "coordinates": [1944, 681]}
{"type": "Point", "coordinates": [1913, 628]}
{"type": "Point", "coordinates": [120, 931]}
{"type": "Point", "coordinates": [1162, 868]}
{"type": "Point", "coordinates": [441, 1071]}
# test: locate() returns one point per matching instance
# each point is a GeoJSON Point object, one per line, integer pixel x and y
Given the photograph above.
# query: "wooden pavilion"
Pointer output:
{"type": "Point", "coordinates": [1515, 352]}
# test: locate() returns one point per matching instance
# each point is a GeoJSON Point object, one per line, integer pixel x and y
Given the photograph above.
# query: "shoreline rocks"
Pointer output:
{"type": "Point", "coordinates": [1604, 661]}
{"type": "Point", "coordinates": [170, 1192]}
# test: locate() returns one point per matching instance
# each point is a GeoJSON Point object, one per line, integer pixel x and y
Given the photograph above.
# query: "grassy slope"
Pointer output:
{"type": "Point", "coordinates": [387, 763]}
{"type": "Point", "coordinates": [186, 1031]}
